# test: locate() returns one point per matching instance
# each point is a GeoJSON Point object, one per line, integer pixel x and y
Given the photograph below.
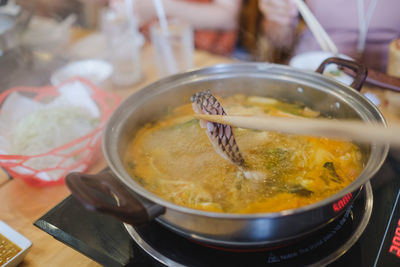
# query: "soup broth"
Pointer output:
{"type": "Point", "coordinates": [7, 250]}
{"type": "Point", "coordinates": [174, 159]}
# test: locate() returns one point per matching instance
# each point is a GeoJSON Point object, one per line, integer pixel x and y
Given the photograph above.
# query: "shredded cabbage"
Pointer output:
{"type": "Point", "coordinates": [46, 129]}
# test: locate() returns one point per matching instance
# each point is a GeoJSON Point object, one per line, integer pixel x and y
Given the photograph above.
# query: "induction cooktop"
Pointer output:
{"type": "Point", "coordinates": [366, 234]}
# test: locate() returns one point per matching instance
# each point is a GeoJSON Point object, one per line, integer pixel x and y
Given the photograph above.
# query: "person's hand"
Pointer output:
{"type": "Point", "coordinates": [281, 12]}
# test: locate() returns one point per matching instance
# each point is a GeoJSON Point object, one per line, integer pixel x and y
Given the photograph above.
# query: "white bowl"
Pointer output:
{"type": "Point", "coordinates": [19, 240]}
{"type": "Point", "coordinates": [312, 60]}
{"type": "Point", "coordinates": [94, 70]}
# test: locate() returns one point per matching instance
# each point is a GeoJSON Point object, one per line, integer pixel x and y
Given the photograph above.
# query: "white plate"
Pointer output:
{"type": "Point", "coordinates": [19, 240]}
{"type": "Point", "coordinates": [95, 70]}
{"type": "Point", "coordinates": [95, 46]}
{"type": "Point", "coordinates": [311, 61]}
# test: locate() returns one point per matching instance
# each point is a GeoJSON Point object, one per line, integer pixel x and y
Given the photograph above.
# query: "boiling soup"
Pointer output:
{"type": "Point", "coordinates": [174, 159]}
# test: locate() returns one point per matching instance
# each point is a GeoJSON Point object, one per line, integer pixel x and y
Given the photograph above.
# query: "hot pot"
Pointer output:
{"type": "Point", "coordinates": [135, 205]}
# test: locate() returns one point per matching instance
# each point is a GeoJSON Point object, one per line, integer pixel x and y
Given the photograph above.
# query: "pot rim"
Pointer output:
{"type": "Point", "coordinates": [377, 149]}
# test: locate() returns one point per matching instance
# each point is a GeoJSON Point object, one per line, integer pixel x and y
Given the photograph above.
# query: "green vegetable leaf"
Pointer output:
{"type": "Point", "coordinates": [335, 72]}
{"type": "Point", "coordinates": [332, 174]}
{"type": "Point", "coordinates": [299, 189]}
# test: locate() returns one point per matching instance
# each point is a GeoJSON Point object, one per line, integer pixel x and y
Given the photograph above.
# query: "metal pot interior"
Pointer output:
{"type": "Point", "coordinates": [316, 91]}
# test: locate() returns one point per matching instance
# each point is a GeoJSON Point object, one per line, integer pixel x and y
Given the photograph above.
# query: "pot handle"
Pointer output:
{"type": "Point", "coordinates": [86, 188]}
{"type": "Point", "coordinates": [360, 70]}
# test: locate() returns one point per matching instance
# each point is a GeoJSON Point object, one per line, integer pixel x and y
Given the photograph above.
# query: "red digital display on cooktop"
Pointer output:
{"type": "Point", "coordinates": [395, 246]}
{"type": "Point", "coordinates": [389, 253]}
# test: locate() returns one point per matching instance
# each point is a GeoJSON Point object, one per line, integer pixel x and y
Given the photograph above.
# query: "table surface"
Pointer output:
{"type": "Point", "coordinates": [22, 204]}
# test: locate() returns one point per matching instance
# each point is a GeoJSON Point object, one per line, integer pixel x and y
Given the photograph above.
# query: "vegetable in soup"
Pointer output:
{"type": "Point", "coordinates": [174, 159]}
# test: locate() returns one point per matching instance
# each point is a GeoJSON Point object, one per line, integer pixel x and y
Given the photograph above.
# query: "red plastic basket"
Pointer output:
{"type": "Point", "coordinates": [83, 150]}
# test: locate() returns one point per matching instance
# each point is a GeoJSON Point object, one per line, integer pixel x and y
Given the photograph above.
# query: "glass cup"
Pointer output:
{"type": "Point", "coordinates": [123, 43]}
{"type": "Point", "coordinates": [173, 47]}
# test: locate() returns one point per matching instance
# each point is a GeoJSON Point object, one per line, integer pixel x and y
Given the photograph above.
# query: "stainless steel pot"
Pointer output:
{"type": "Point", "coordinates": [138, 206]}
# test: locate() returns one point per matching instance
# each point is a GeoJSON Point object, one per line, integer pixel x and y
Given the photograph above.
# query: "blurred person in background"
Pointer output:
{"type": "Point", "coordinates": [344, 21]}
{"type": "Point", "coordinates": [215, 21]}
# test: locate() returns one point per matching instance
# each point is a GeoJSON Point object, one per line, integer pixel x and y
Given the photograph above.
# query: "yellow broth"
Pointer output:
{"type": "Point", "coordinates": [7, 250]}
{"type": "Point", "coordinates": [174, 159]}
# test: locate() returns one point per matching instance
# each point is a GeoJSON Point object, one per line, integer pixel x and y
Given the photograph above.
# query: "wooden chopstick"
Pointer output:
{"type": "Point", "coordinates": [342, 129]}
{"type": "Point", "coordinates": [318, 31]}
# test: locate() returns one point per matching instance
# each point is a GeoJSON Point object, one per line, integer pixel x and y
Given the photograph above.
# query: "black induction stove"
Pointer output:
{"type": "Point", "coordinates": [367, 234]}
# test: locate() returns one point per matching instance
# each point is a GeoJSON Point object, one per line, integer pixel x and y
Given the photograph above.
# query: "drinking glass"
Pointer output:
{"type": "Point", "coordinates": [123, 43]}
{"type": "Point", "coordinates": [173, 47]}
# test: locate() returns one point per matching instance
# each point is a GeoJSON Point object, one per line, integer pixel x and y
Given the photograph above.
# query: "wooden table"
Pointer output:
{"type": "Point", "coordinates": [21, 204]}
